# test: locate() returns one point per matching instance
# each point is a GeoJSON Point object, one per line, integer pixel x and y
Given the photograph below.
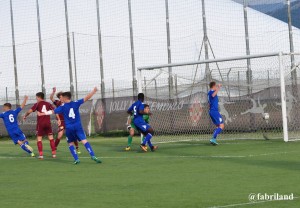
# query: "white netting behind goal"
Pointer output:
{"type": "Point", "coordinates": [178, 99]}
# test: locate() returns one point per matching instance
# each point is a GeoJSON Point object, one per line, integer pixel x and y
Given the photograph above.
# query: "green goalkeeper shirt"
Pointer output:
{"type": "Point", "coordinates": [145, 117]}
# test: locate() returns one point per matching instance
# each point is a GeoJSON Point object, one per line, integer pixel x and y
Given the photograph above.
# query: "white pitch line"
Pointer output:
{"type": "Point", "coordinates": [248, 203]}
{"type": "Point", "coordinates": [162, 156]}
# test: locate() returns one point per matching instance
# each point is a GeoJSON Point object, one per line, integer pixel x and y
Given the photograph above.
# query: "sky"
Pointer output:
{"type": "Point", "coordinates": [225, 30]}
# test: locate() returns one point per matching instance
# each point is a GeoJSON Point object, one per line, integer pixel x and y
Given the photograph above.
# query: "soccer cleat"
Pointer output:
{"type": "Point", "coordinates": [29, 148]}
{"type": "Point", "coordinates": [41, 157]}
{"type": "Point", "coordinates": [96, 159]}
{"type": "Point", "coordinates": [153, 148]}
{"type": "Point", "coordinates": [143, 147]}
{"type": "Point", "coordinates": [127, 148]}
{"type": "Point", "coordinates": [53, 156]}
{"type": "Point", "coordinates": [78, 151]}
{"type": "Point", "coordinates": [32, 154]}
{"type": "Point", "coordinates": [76, 162]}
{"type": "Point", "coordinates": [213, 141]}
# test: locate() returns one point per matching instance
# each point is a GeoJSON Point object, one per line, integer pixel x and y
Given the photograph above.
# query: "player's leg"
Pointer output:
{"type": "Point", "coordinates": [71, 137]}
{"type": "Point", "coordinates": [40, 146]}
{"type": "Point", "coordinates": [52, 144]}
{"type": "Point", "coordinates": [90, 150]}
{"type": "Point", "coordinates": [218, 121]}
{"type": "Point", "coordinates": [148, 132]}
{"type": "Point", "coordinates": [129, 139]}
{"type": "Point", "coordinates": [77, 147]}
{"type": "Point", "coordinates": [60, 134]}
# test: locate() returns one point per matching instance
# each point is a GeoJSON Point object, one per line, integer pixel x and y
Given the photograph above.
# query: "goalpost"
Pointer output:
{"type": "Point", "coordinates": [259, 97]}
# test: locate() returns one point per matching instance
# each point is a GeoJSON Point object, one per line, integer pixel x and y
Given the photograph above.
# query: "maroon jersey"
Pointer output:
{"type": "Point", "coordinates": [58, 103]}
{"type": "Point", "coordinates": [42, 107]}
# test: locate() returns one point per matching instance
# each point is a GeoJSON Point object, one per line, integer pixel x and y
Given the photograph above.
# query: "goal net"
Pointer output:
{"type": "Point", "coordinates": [259, 98]}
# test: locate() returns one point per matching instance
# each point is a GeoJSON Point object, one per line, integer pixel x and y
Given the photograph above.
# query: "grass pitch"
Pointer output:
{"type": "Point", "coordinates": [188, 174]}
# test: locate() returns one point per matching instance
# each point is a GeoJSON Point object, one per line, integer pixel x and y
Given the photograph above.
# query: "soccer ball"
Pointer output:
{"type": "Point", "coordinates": [266, 116]}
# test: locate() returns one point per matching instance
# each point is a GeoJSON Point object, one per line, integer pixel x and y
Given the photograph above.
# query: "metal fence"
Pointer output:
{"type": "Point", "coordinates": [75, 45]}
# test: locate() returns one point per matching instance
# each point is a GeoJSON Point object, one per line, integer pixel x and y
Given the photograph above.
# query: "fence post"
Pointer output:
{"type": "Point", "coordinates": [69, 50]}
{"type": "Point", "coordinates": [14, 55]}
{"type": "Point", "coordinates": [40, 46]}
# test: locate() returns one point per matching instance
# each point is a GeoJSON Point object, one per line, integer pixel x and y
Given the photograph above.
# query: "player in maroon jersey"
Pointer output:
{"type": "Point", "coordinates": [43, 126]}
{"type": "Point", "coordinates": [61, 127]}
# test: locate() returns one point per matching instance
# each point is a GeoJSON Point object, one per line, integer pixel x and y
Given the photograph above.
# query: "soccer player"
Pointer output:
{"type": "Point", "coordinates": [74, 129]}
{"type": "Point", "coordinates": [10, 118]}
{"type": "Point", "coordinates": [214, 111]}
{"type": "Point", "coordinates": [62, 126]}
{"type": "Point", "coordinates": [132, 128]}
{"type": "Point", "coordinates": [138, 110]}
{"type": "Point", "coordinates": [43, 126]}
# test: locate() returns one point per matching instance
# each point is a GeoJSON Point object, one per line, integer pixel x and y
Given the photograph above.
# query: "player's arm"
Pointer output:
{"type": "Point", "coordinates": [52, 94]}
{"type": "Point", "coordinates": [24, 102]}
{"type": "Point", "coordinates": [27, 114]}
{"type": "Point", "coordinates": [58, 119]}
{"type": "Point", "coordinates": [90, 95]}
{"type": "Point", "coordinates": [217, 90]}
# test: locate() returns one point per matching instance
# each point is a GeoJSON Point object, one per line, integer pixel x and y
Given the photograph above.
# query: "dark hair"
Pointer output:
{"type": "Point", "coordinates": [141, 96]}
{"type": "Point", "coordinates": [59, 94]}
{"type": "Point", "coordinates": [212, 84]}
{"type": "Point", "coordinates": [146, 106]}
{"type": "Point", "coordinates": [7, 105]}
{"type": "Point", "coordinates": [40, 95]}
{"type": "Point", "coordinates": [67, 95]}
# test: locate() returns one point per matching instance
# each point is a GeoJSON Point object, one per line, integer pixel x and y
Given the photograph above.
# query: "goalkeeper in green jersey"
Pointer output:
{"type": "Point", "coordinates": [132, 128]}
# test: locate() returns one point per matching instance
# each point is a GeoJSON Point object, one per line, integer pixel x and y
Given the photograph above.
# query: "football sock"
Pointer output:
{"type": "Point", "coordinates": [23, 146]}
{"type": "Point", "coordinates": [73, 152]}
{"type": "Point", "coordinates": [76, 144]}
{"type": "Point", "coordinates": [26, 142]}
{"type": "Point", "coordinates": [89, 149]}
{"type": "Point", "coordinates": [147, 139]}
{"type": "Point", "coordinates": [40, 147]}
{"type": "Point", "coordinates": [129, 140]}
{"type": "Point", "coordinates": [217, 132]}
{"type": "Point", "coordinates": [57, 142]}
{"type": "Point", "coordinates": [52, 145]}
{"type": "Point", "coordinates": [150, 144]}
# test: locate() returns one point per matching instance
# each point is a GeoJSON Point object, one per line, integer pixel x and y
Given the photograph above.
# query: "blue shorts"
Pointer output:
{"type": "Point", "coordinates": [74, 133]}
{"type": "Point", "coordinates": [216, 117]}
{"type": "Point", "coordinates": [142, 126]}
{"type": "Point", "coordinates": [17, 135]}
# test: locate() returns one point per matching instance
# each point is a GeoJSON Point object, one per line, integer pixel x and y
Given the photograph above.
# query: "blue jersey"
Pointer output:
{"type": "Point", "coordinates": [213, 101]}
{"type": "Point", "coordinates": [136, 108]}
{"type": "Point", "coordinates": [70, 111]}
{"type": "Point", "coordinates": [10, 119]}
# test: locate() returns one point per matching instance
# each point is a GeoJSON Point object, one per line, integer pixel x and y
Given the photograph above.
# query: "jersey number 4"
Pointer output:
{"type": "Point", "coordinates": [71, 113]}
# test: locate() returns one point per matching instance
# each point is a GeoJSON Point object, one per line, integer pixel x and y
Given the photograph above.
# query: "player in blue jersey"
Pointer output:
{"type": "Point", "coordinates": [138, 111]}
{"type": "Point", "coordinates": [215, 116]}
{"type": "Point", "coordinates": [10, 118]}
{"type": "Point", "coordinates": [74, 129]}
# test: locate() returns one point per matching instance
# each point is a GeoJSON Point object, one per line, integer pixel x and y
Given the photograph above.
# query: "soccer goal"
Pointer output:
{"type": "Point", "coordinates": [259, 98]}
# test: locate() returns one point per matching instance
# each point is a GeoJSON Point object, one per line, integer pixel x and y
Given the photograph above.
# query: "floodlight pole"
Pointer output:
{"type": "Point", "coordinates": [206, 46]}
{"type": "Point", "coordinates": [69, 51]}
{"type": "Point", "coordinates": [40, 47]}
{"type": "Point", "coordinates": [249, 70]}
{"type": "Point", "coordinates": [294, 72]}
{"type": "Point", "coordinates": [75, 64]}
{"type": "Point", "coordinates": [171, 93]}
{"type": "Point", "coordinates": [134, 81]}
{"type": "Point", "coordinates": [14, 54]}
